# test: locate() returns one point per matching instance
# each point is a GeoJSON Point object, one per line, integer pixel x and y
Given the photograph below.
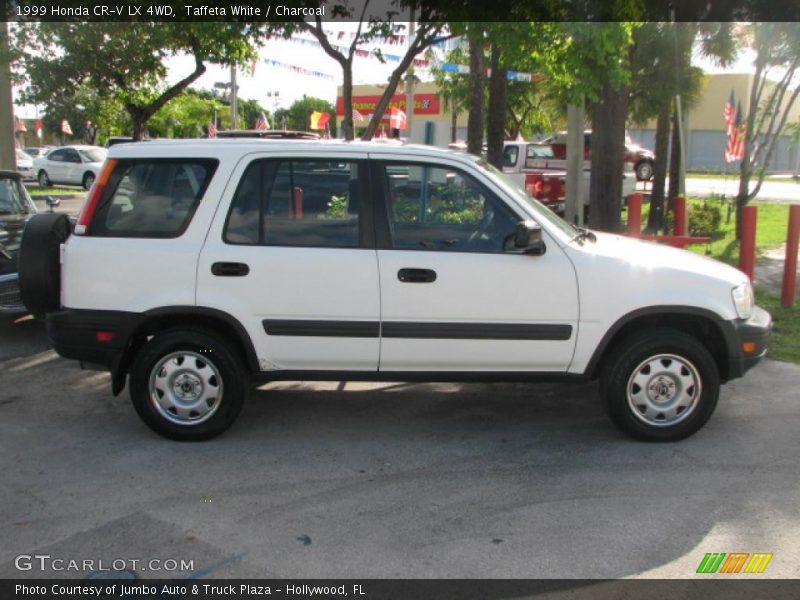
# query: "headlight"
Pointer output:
{"type": "Point", "coordinates": [743, 300]}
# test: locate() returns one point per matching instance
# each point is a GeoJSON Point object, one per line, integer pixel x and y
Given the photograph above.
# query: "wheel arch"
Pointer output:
{"type": "Point", "coordinates": [707, 327]}
{"type": "Point", "coordinates": [160, 319]}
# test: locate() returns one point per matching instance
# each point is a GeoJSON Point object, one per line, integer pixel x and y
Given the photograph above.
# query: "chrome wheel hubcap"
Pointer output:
{"type": "Point", "coordinates": [664, 390]}
{"type": "Point", "coordinates": [185, 388]}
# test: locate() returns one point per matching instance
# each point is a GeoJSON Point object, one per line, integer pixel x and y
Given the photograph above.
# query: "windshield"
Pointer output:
{"type": "Point", "coordinates": [93, 154]}
{"type": "Point", "coordinates": [542, 212]}
{"type": "Point", "coordinates": [14, 199]}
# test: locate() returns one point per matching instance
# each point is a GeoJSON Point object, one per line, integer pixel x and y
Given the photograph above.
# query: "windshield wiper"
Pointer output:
{"type": "Point", "coordinates": [583, 234]}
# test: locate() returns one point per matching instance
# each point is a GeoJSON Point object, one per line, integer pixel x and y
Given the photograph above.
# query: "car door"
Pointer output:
{"type": "Point", "coordinates": [292, 257]}
{"type": "Point", "coordinates": [73, 166]}
{"type": "Point", "coordinates": [55, 165]}
{"type": "Point", "coordinates": [455, 294]}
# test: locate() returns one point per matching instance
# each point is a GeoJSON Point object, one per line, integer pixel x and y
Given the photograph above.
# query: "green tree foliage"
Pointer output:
{"type": "Point", "coordinates": [124, 61]}
{"type": "Point", "coordinates": [298, 115]}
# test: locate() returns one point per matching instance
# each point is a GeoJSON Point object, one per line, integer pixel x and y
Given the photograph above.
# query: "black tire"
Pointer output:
{"type": "Point", "coordinates": [209, 352]}
{"type": "Point", "coordinates": [644, 170]}
{"type": "Point", "coordinates": [40, 263]}
{"type": "Point", "coordinates": [633, 359]}
{"type": "Point", "coordinates": [43, 179]}
{"type": "Point", "coordinates": [88, 180]}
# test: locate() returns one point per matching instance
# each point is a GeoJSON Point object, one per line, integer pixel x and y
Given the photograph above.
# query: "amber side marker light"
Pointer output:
{"type": "Point", "coordinates": [749, 346]}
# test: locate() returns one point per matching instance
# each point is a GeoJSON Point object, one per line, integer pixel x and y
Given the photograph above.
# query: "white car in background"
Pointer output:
{"type": "Point", "coordinates": [71, 165]}
{"type": "Point", "coordinates": [25, 165]}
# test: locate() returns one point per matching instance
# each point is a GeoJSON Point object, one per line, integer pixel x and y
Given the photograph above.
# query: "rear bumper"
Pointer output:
{"type": "Point", "coordinates": [97, 337]}
{"type": "Point", "coordinates": [748, 340]}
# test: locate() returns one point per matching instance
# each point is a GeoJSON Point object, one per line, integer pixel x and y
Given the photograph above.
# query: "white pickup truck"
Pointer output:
{"type": "Point", "coordinates": [533, 166]}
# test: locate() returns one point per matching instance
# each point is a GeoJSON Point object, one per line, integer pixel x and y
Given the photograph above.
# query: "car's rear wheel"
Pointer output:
{"type": "Point", "coordinates": [660, 385]}
{"type": "Point", "coordinates": [188, 384]}
{"type": "Point", "coordinates": [40, 262]}
{"type": "Point", "coordinates": [644, 170]}
{"type": "Point", "coordinates": [43, 179]}
{"type": "Point", "coordinates": [88, 181]}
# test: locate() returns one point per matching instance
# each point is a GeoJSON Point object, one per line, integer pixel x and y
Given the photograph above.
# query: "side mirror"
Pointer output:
{"type": "Point", "coordinates": [528, 238]}
{"type": "Point", "coordinates": [51, 202]}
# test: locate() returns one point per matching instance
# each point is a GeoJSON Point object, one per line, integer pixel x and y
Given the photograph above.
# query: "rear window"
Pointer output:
{"type": "Point", "coordinates": [152, 198]}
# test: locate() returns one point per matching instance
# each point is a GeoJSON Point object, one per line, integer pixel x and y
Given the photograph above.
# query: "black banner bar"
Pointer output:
{"type": "Point", "coordinates": [711, 588]}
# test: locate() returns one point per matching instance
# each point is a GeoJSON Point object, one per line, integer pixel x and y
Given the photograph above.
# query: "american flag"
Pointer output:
{"type": "Point", "coordinates": [19, 126]}
{"type": "Point", "coordinates": [212, 129]}
{"type": "Point", "coordinates": [735, 148]}
{"type": "Point", "coordinates": [357, 116]}
{"type": "Point", "coordinates": [729, 113]}
{"type": "Point", "coordinates": [261, 122]}
{"type": "Point", "coordinates": [65, 128]}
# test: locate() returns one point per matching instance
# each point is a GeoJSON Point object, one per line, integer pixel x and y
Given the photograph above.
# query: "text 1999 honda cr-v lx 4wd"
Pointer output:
{"type": "Point", "coordinates": [197, 267]}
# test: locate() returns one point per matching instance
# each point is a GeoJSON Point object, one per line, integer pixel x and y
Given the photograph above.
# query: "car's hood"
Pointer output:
{"type": "Point", "coordinates": [648, 257]}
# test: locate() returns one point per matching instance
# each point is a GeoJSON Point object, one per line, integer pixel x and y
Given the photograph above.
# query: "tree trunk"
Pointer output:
{"type": "Point", "coordinates": [453, 125]}
{"type": "Point", "coordinates": [347, 97]}
{"type": "Point", "coordinates": [475, 120]}
{"type": "Point", "coordinates": [674, 163]}
{"type": "Point", "coordinates": [655, 219]}
{"type": "Point", "coordinates": [608, 156]}
{"type": "Point", "coordinates": [138, 121]}
{"type": "Point", "coordinates": [498, 93]}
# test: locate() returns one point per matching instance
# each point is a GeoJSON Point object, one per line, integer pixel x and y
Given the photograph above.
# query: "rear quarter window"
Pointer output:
{"type": "Point", "coordinates": [153, 198]}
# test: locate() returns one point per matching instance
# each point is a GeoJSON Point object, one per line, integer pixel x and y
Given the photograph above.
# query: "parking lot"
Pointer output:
{"type": "Point", "coordinates": [392, 480]}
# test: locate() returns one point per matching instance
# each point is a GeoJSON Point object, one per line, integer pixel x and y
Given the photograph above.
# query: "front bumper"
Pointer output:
{"type": "Point", "coordinates": [748, 340]}
{"type": "Point", "coordinates": [10, 299]}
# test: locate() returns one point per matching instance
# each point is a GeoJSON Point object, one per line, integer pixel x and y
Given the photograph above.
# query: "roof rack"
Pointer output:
{"type": "Point", "coordinates": [270, 134]}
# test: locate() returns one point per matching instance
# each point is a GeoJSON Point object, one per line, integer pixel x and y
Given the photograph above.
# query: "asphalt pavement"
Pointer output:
{"type": "Point", "coordinates": [387, 480]}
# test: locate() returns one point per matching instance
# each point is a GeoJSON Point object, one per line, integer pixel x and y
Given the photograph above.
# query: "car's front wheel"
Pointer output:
{"type": "Point", "coordinates": [660, 385]}
{"type": "Point", "coordinates": [188, 384]}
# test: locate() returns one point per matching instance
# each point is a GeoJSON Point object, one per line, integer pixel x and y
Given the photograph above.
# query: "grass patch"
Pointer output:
{"type": "Point", "coordinates": [770, 230]}
{"type": "Point", "coordinates": [734, 176]}
{"type": "Point", "coordinates": [770, 233]}
{"type": "Point", "coordinates": [785, 341]}
{"type": "Point", "coordinates": [54, 191]}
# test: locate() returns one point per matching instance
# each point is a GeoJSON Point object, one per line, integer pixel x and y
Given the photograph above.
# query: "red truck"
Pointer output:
{"type": "Point", "coordinates": [641, 158]}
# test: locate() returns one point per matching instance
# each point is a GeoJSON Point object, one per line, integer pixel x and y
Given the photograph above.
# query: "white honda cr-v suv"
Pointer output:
{"type": "Point", "coordinates": [199, 267]}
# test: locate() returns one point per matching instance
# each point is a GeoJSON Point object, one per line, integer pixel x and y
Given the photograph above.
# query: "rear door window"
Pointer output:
{"type": "Point", "coordinates": [297, 202]}
{"type": "Point", "coordinates": [152, 198]}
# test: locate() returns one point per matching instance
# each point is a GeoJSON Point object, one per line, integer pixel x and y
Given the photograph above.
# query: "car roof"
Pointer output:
{"type": "Point", "coordinates": [216, 147]}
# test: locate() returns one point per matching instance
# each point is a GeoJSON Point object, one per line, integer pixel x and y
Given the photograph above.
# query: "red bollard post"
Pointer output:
{"type": "Point", "coordinates": [679, 225]}
{"type": "Point", "coordinates": [747, 245]}
{"type": "Point", "coordinates": [790, 264]}
{"type": "Point", "coordinates": [635, 215]}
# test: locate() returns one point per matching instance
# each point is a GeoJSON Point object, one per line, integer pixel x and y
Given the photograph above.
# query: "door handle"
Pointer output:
{"type": "Point", "coordinates": [229, 269]}
{"type": "Point", "coordinates": [416, 275]}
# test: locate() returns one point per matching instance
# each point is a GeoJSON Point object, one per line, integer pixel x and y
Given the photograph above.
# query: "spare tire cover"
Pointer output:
{"type": "Point", "coordinates": [40, 262]}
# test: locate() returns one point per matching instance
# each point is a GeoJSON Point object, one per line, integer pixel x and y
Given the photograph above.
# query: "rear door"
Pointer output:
{"type": "Point", "coordinates": [73, 167]}
{"type": "Point", "coordinates": [291, 255]}
{"type": "Point", "coordinates": [455, 296]}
